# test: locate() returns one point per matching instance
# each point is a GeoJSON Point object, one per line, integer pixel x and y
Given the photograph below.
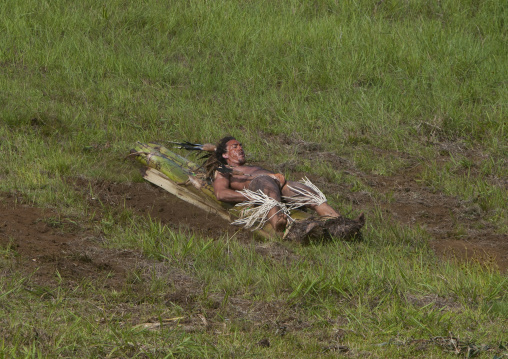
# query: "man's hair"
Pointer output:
{"type": "Point", "coordinates": [223, 148]}
{"type": "Point", "coordinates": [216, 161]}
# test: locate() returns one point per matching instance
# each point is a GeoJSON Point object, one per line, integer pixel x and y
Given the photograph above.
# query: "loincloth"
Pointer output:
{"type": "Point", "coordinates": [260, 181]}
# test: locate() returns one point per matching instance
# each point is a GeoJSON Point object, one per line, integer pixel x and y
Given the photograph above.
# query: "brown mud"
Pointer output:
{"type": "Point", "coordinates": [458, 228]}
{"type": "Point", "coordinates": [47, 245]}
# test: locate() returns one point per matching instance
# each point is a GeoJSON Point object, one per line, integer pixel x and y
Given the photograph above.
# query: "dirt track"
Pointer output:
{"type": "Point", "coordinates": [45, 243]}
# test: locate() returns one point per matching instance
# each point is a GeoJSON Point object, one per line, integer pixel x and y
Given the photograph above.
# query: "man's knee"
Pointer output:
{"type": "Point", "coordinates": [289, 189]}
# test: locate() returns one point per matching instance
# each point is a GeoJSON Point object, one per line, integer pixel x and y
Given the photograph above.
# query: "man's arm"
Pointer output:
{"type": "Point", "coordinates": [223, 191]}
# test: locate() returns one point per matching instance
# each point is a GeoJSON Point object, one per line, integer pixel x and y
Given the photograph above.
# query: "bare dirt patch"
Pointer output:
{"type": "Point", "coordinates": [47, 247]}
{"type": "Point", "coordinates": [459, 229]}
{"type": "Point", "coordinates": [148, 200]}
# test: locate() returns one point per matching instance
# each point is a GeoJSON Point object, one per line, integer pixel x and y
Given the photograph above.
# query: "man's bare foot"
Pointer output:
{"type": "Point", "coordinates": [325, 210]}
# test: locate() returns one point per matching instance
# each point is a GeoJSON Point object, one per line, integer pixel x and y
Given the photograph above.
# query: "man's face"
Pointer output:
{"type": "Point", "coordinates": [234, 155]}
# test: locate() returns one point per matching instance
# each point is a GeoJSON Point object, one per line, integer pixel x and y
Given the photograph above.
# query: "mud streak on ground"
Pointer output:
{"type": "Point", "coordinates": [458, 228]}
{"type": "Point", "coordinates": [46, 244]}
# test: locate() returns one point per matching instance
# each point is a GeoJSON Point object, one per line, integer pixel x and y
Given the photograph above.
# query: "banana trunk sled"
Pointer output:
{"type": "Point", "coordinates": [188, 181]}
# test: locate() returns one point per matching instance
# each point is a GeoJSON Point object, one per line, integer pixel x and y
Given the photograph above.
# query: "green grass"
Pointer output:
{"type": "Point", "coordinates": [383, 85]}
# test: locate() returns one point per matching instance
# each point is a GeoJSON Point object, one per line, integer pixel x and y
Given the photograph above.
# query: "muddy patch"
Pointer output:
{"type": "Point", "coordinates": [149, 200]}
{"type": "Point", "coordinates": [458, 228]}
{"type": "Point", "coordinates": [49, 248]}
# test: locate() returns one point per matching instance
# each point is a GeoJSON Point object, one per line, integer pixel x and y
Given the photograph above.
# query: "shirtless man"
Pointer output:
{"type": "Point", "coordinates": [229, 152]}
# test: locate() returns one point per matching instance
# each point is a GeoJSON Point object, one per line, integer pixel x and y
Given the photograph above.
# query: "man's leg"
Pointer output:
{"type": "Point", "coordinates": [322, 209]}
{"type": "Point", "coordinates": [270, 187]}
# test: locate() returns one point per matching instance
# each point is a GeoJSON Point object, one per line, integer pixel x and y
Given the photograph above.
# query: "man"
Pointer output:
{"type": "Point", "coordinates": [235, 177]}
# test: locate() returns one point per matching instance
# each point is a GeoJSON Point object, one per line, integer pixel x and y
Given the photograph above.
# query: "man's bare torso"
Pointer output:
{"type": "Point", "coordinates": [227, 186]}
{"type": "Point", "coordinates": [241, 181]}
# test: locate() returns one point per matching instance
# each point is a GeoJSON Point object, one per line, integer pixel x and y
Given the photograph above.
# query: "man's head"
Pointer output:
{"type": "Point", "coordinates": [230, 152]}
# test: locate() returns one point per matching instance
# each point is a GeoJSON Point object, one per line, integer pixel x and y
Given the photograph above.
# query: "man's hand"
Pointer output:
{"type": "Point", "coordinates": [279, 177]}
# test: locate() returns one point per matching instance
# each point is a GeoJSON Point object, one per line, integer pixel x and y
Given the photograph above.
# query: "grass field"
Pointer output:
{"type": "Point", "coordinates": [361, 95]}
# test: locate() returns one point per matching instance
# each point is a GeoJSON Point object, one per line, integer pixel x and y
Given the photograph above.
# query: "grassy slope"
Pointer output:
{"type": "Point", "coordinates": [82, 81]}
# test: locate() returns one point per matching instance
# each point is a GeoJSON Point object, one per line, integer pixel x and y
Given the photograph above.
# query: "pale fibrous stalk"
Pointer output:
{"type": "Point", "coordinates": [256, 209]}
{"type": "Point", "coordinates": [305, 197]}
